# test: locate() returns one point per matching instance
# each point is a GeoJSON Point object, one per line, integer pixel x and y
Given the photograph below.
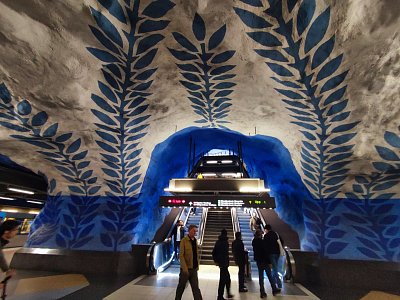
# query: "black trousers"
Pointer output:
{"type": "Point", "coordinates": [241, 274]}
{"type": "Point", "coordinates": [224, 281]}
{"type": "Point", "coordinates": [194, 284]}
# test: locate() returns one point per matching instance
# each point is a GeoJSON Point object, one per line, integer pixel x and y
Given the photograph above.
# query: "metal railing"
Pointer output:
{"type": "Point", "coordinates": [202, 225]}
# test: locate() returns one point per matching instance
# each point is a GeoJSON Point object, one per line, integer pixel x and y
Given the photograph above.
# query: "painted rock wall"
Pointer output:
{"type": "Point", "coordinates": [91, 88]}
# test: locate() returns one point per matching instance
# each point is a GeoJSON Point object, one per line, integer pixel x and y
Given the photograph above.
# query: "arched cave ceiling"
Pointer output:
{"type": "Point", "coordinates": [289, 78]}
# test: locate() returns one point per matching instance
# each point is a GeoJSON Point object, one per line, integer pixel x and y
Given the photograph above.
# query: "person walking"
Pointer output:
{"type": "Point", "coordinates": [263, 264]}
{"type": "Point", "coordinates": [273, 251]}
{"type": "Point", "coordinates": [189, 259]}
{"type": "Point", "coordinates": [253, 222]}
{"type": "Point", "coordinates": [8, 230]}
{"type": "Point", "coordinates": [240, 259]}
{"type": "Point", "coordinates": [178, 233]}
{"type": "Point", "coordinates": [221, 258]}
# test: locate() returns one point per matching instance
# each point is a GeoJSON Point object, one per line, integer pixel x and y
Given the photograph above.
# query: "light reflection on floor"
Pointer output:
{"type": "Point", "coordinates": [163, 286]}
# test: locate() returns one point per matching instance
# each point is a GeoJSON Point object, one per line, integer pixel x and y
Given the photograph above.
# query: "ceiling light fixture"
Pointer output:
{"type": "Point", "coordinates": [35, 202]}
{"type": "Point", "coordinates": [209, 174]}
{"type": "Point", "coordinates": [253, 190]}
{"type": "Point", "coordinates": [226, 161]}
{"type": "Point", "coordinates": [21, 191]}
{"type": "Point", "coordinates": [10, 210]}
{"type": "Point", "coordinates": [33, 212]}
{"type": "Point", "coordinates": [229, 174]}
{"type": "Point", "coordinates": [6, 198]}
{"type": "Point", "coordinates": [178, 189]}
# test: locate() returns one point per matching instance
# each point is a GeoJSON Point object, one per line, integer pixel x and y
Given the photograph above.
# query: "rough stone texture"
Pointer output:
{"type": "Point", "coordinates": [44, 58]}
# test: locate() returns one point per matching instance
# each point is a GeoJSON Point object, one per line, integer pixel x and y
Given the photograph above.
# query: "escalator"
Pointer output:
{"type": "Point", "coordinates": [247, 235]}
{"type": "Point", "coordinates": [160, 254]}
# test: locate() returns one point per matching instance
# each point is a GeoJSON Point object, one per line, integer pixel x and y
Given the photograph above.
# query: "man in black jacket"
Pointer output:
{"type": "Point", "coordinates": [178, 234]}
{"type": "Point", "coordinates": [221, 258]}
{"type": "Point", "coordinates": [240, 259]}
{"type": "Point", "coordinates": [263, 263]}
{"type": "Point", "coordinates": [272, 248]}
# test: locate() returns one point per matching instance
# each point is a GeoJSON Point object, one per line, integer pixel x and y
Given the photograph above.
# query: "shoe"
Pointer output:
{"type": "Point", "coordinates": [263, 295]}
{"type": "Point", "coordinates": [243, 290]}
{"type": "Point", "coordinates": [230, 296]}
{"type": "Point", "coordinates": [277, 291]}
{"type": "Point", "coordinates": [221, 298]}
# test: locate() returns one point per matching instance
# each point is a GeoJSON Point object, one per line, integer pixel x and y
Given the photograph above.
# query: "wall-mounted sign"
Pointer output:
{"type": "Point", "coordinates": [218, 201]}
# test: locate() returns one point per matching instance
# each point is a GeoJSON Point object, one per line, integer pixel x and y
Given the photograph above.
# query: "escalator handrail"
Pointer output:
{"type": "Point", "coordinates": [291, 263]}
{"type": "Point", "coordinates": [187, 216]}
{"type": "Point", "coordinates": [259, 215]}
{"type": "Point", "coordinates": [202, 225]}
{"type": "Point", "coordinates": [149, 256]}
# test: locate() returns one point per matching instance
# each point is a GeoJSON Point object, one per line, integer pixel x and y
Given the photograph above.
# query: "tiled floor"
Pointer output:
{"type": "Point", "coordinates": [163, 286]}
{"type": "Point", "coordinates": [40, 285]}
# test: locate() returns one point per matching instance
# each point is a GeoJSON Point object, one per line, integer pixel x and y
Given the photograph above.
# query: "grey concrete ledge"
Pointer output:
{"type": "Point", "coordinates": [82, 261]}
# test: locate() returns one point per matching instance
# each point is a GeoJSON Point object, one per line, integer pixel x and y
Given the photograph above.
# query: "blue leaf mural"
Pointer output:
{"type": "Point", "coordinates": [121, 107]}
{"type": "Point", "coordinates": [315, 108]}
{"type": "Point", "coordinates": [61, 150]}
{"type": "Point", "coordinates": [371, 190]}
{"type": "Point", "coordinates": [204, 73]}
{"type": "Point", "coordinates": [298, 38]}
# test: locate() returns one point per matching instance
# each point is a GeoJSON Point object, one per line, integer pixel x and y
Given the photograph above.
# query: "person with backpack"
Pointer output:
{"type": "Point", "coordinates": [239, 255]}
{"type": "Point", "coordinates": [220, 255]}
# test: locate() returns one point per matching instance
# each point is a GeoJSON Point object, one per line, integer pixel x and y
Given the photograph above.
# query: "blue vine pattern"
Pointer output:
{"type": "Point", "coordinates": [206, 76]}
{"type": "Point", "coordinates": [373, 219]}
{"type": "Point", "coordinates": [67, 158]}
{"type": "Point", "coordinates": [46, 224]}
{"type": "Point", "coordinates": [122, 105]}
{"type": "Point", "coordinates": [299, 50]}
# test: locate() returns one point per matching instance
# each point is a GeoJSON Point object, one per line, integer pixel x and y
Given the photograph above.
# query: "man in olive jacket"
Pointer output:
{"type": "Point", "coordinates": [189, 258]}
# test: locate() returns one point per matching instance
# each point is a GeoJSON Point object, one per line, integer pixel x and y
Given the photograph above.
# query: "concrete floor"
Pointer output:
{"type": "Point", "coordinates": [37, 285]}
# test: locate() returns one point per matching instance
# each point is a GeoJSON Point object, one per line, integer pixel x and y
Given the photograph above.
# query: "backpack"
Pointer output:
{"type": "Point", "coordinates": [214, 254]}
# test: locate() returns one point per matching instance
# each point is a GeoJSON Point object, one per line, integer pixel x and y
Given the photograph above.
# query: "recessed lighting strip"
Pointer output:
{"type": "Point", "coordinates": [21, 191]}
{"type": "Point", "coordinates": [6, 198]}
{"type": "Point", "coordinates": [35, 202]}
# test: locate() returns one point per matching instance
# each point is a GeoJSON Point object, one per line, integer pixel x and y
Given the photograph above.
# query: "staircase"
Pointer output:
{"type": "Point", "coordinates": [247, 235]}
{"type": "Point", "coordinates": [217, 219]}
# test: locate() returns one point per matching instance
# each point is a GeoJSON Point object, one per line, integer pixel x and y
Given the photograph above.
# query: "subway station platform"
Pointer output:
{"type": "Point", "coordinates": [41, 285]}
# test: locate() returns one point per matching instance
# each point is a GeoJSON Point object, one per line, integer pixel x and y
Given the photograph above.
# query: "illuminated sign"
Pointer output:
{"type": "Point", "coordinates": [217, 201]}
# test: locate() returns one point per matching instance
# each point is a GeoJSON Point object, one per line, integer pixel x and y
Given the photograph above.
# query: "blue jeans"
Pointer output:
{"type": "Point", "coordinates": [261, 268]}
{"type": "Point", "coordinates": [274, 262]}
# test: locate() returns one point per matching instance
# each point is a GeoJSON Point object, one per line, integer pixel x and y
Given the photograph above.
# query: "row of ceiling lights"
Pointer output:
{"type": "Point", "coordinates": [20, 191]}
{"type": "Point", "coordinates": [221, 161]}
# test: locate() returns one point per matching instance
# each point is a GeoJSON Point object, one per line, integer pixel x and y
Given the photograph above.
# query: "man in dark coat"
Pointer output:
{"type": "Point", "coordinates": [240, 259]}
{"type": "Point", "coordinates": [263, 264]}
{"type": "Point", "coordinates": [272, 248]}
{"type": "Point", "coordinates": [178, 234]}
{"type": "Point", "coordinates": [221, 258]}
